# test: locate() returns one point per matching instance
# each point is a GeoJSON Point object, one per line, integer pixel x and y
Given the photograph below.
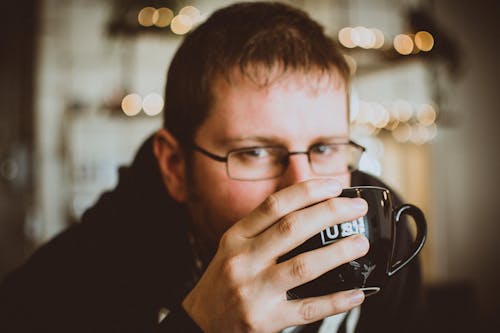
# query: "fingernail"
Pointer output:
{"type": "Point", "coordinates": [356, 297]}
{"type": "Point", "coordinates": [361, 242]}
{"type": "Point", "coordinates": [359, 204]}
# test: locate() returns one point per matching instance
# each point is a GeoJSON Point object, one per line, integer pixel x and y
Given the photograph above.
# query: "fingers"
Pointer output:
{"type": "Point", "coordinates": [312, 264]}
{"type": "Point", "coordinates": [295, 228]}
{"type": "Point", "coordinates": [313, 309]}
{"type": "Point", "coordinates": [284, 202]}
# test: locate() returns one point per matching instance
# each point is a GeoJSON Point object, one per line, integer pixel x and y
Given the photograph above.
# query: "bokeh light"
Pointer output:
{"type": "Point", "coordinates": [131, 104]}
{"type": "Point", "coordinates": [192, 12]}
{"type": "Point", "coordinates": [379, 38]}
{"type": "Point", "coordinates": [419, 135]}
{"type": "Point", "coordinates": [402, 133]}
{"type": "Point", "coordinates": [403, 44]}
{"type": "Point", "coordinates": [165, 16]}
{"type": "Point", "coordinates": [401, 110]}
{"type": "Point", "coordinates": [424, 41]}
{"type": "Point", "coordinates": [147, 16]}
{"type": "Point", "coordinates": [344, 36]}
{"type": "Point", "coordinates": [181, 24]}
{"type": "Point", "coordinates": [363, 37]}
{"type": "Point", "coordinates": [379, 115]}
{"type": "Point", "coordinates": [426, 114]}
{"type": "Point", "coordinates": [152, 104]}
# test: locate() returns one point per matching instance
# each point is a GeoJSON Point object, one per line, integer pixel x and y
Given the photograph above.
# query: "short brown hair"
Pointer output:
{"type": "Point", "coordinates": [242, 36]}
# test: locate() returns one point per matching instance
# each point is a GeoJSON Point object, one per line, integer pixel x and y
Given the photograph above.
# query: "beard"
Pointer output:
{"type": "Point", "coordinates": [206, 235]}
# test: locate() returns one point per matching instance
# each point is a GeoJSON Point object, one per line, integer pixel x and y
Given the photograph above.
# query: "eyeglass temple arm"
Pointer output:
{"type": "Point", "coordinates": [209, 154]}
{"type": "Point", "coordinates": [357, 145]}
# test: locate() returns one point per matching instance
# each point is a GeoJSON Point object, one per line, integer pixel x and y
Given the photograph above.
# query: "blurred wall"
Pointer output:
{"type": "Point", "coordinates": [17, 47]}
{"type": "Point", "coordinates": [466, 160]}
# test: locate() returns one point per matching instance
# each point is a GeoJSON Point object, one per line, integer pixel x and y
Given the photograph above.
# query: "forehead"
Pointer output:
{"type": "Point", "coordinates": [263, 76]}
{"type": "Point", "coordinates": [298, 106]}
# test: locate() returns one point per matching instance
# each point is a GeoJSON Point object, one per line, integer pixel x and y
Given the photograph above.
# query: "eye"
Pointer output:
{"type": "Point", "coordinates": [324, 149]}
{"type": "Point", "coordinates": [255, 156]}
{"type": "Point", "coordinates": [255, 153]}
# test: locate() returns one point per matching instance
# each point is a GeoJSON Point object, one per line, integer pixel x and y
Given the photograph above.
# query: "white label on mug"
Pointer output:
{"type": "Point", "coordinates": [346, 229]}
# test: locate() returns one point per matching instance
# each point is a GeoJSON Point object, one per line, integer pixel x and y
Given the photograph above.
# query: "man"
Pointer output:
{"type": "Point", "coordinates": [253, 155]}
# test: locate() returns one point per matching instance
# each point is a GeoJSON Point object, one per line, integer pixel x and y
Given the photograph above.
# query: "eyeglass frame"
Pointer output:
{"type": "Point", "coordinates": [225, 159]}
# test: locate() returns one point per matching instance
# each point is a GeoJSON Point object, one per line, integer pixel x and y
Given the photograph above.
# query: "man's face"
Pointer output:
{"type": "Point", "coordinates": [296, 112]}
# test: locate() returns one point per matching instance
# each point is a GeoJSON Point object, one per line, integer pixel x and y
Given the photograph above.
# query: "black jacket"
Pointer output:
{"type": "Point", "coordinates": [130, 256]}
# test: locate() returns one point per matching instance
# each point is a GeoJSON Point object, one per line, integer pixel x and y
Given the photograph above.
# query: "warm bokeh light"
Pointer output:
{"type": "Point", "coordinates": [401, 110]}
{"type": "Point", "coordinates": [419, 135]}
{"type": "Point", "coordinates": [379, 115]}
{"type": "Point", "coordinates": [426, 114]}
{"type": "Point", "coordinates": [363, 37]}
{"type": "Point", "coordinates": [379, 38]}
{"type": "Point", "coordinates": [403, 44]}
{"type": "Point", "coordinates": [152, 104]}
{"type": "Point", "coordinates": [432, 131]}
{"type": "Point", "coordinates": [424, 41]}
{"type": "Point", "coordinates": [415, 48]}
{"type": "Point", "coordinates": [392, 124]}
{"type": "Point", "coordinates": [164, 17]}
{"type": "Point", "coordinates": [356, 35]}
{"type": "Point", "coordinates": [345, 37]}
{"type": "Point", "coordinates": [147, 16]}
{"type": "Point", "coordinates": [402, 133]}
{"type": "Point", "coordinates": [131, 104]}
{"type": "Point", "coordinates": [181, 24]}
{"type": "Point", "coordinates": [192, 12]}
{"type": "Point", "coordinates": [406, 122]}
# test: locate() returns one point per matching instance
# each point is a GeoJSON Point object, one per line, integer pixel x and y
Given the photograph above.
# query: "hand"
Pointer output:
{"type": "Point", "coordinates": [244, 288]}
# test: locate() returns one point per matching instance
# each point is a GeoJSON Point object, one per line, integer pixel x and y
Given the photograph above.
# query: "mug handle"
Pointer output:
{"type": "Point", "coordinates": [419, 218]}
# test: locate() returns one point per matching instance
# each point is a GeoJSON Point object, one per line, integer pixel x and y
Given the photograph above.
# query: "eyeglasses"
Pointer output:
{"type": "Point", "coordinates": [258, 163]}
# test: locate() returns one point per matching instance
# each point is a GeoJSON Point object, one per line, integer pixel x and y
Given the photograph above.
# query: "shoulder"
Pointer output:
{"type": "Point", "coordinates": [133, 239]}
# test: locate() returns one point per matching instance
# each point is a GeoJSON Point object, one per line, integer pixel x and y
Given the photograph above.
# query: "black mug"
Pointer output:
{"type": "Point", "coordinates": [370, 272]}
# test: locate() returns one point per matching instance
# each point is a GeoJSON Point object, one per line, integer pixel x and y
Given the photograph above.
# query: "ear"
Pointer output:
{"type": "Point", "coordinates": [171, 163]}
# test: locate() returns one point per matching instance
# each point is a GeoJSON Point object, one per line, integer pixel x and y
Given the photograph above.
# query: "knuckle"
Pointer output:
{"type": "Point", "coordinates": [309, 189]}
{"type": "Point", "coordinates": [343, 250]}
{"type": "Point", "coordinates": [240, 293]}
{"type": "Point", "coordinates": [271, 206]}
{"type": "Point", "coordinates": [309, 311]}
{"type": "Point", "coordinates": [232, 267]}
{"type": "Point", "coordinates": [299, 269]}
{"type": "Point", "coordinates": [225, 240]}
{"type": "Point", "coordinates": [348, 249]}
{"type": "Point", "coordinates": [335, 307]}
{"type": "Point", "coordinates": [250, 323]}
{"type": "Point", "coordinates": [333, 206]}
{"type": "Point", "coordinates": [288, 225]}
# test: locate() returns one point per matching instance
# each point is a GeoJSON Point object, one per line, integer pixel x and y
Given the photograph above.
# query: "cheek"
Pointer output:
{"type": "Point", "coordinates": [242, 197]}
{"type": "Point", "coordinates": [234, 197]}
{"type": "Point", "coordinates": [221, 201]}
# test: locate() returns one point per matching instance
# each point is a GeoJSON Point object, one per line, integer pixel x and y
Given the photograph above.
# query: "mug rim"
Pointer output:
{"type": "Point", "coordinates": [367, 187]}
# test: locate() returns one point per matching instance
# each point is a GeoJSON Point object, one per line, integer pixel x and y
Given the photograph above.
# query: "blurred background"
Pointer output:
{"type": "Point", "coordinates": [81, 85]}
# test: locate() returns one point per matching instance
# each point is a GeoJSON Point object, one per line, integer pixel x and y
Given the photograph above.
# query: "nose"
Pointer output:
{"type": "Point", "coordinates": [298, 170]}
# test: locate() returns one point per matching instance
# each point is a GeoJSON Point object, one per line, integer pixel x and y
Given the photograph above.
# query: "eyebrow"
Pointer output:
{"type": "Point", "coordinates": [273, 140]}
